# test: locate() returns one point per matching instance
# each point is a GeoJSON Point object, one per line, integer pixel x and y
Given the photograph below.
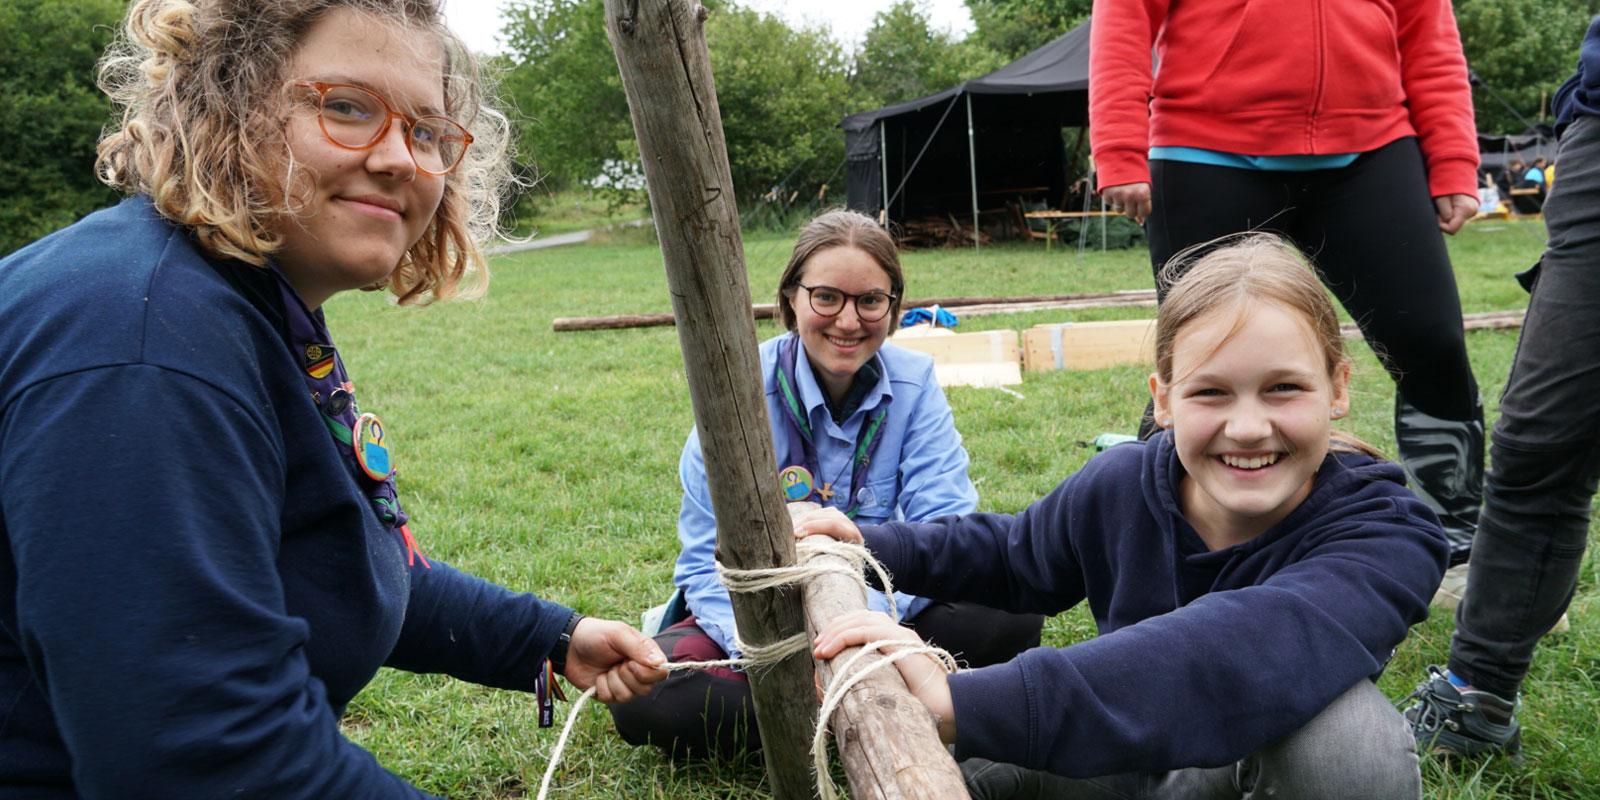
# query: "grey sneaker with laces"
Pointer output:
{"type": "Point", "coordinates": [1452, 721]}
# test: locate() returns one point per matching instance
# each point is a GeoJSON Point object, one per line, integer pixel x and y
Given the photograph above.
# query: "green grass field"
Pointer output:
{"type": "Point", "coordinates": [547, 462]}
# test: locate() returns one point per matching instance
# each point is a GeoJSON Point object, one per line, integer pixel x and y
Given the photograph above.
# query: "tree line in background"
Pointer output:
{"type": "Point", "coordinates": [782, 89]}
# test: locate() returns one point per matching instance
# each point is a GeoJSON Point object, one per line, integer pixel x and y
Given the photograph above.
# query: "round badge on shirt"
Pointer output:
{"type": "Point", "coordinates": [372, 453]}
{"type": "Point", "coordinates": [796, 483]}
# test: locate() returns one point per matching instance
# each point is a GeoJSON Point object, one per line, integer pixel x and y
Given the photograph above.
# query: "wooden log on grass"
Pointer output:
{"type": "Point", "coordinates": [666, 74]}
{"type": "Point", "coordinates": [989, 305]}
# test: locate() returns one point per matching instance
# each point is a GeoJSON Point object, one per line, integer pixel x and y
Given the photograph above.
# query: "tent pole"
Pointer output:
{"type": "Point", "coordinates": [883, 161]}
{"type": "Point", "coordinates": [972, 161]}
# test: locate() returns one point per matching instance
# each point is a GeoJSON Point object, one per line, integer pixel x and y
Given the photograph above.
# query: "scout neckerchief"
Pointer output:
{"type": "Point", "coordinates": [796, 479]}
{"type": "Point", "coordinates": [360, 437]}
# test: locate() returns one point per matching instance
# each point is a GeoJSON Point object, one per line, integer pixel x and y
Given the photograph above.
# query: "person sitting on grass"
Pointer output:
{"type": "Point", "coordinates": [859, 426]}
{"type": "Point", "coordinates": [1250, 571]}
{"type": "Point", "coordinates": [204, 554]}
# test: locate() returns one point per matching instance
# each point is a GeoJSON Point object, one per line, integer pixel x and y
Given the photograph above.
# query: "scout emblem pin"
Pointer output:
{"type": "Point", "coordinates": [319, 360]}
{"type": "Point", "coordinates": [796, 483]}
{"type": "Point", "coordinates": [371, 452]}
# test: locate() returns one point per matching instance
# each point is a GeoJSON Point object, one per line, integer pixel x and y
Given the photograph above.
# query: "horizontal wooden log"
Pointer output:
{"type": "Point", "coordinates": [768, 310]}
{"type": "Point", "coordinates": [1479, 321]}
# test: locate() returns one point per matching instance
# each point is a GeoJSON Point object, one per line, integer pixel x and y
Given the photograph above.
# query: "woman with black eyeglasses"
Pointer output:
{"type": "Point", "coordinates": [203, 555]}
{"type": "Point", "coordinates": [859, 425]}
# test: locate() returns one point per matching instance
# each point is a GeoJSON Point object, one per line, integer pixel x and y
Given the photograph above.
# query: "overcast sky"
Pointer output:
{"type": "Point", "coordinates": [478, 21]}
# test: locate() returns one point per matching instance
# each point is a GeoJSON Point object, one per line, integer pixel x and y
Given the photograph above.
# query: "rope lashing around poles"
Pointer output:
{"type": "Point", "coordinates": [856, 556]}
{"type": "Point", "coordinates": [757, 656]}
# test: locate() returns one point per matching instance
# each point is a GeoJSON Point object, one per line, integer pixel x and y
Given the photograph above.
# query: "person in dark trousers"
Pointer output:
{"type": "Point", "coordinates": [1249, 569]}
{"type": "Point", "coordinates": [1545, 462]}
{"type": "Point", "coordinates": [1350, 131]}
{"type": "Point", "coordinates": [203, 553]}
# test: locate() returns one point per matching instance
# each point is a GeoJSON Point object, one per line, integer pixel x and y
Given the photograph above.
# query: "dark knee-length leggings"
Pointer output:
{"type": "Point", "coordinates": [1371, 230]}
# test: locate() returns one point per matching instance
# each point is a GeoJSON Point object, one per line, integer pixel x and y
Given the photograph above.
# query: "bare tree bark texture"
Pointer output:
{"type": "Point", "coordinates": [666, 73]}
{"type": "Point", "coordinates": [885, 737]}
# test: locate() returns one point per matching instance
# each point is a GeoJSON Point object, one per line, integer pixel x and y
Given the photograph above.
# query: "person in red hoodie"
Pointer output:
{"type": "Point", "coordinates": [1345, 125]}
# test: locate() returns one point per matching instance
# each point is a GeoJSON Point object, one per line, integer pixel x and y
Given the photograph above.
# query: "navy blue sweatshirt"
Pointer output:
{"type": "Point", "coordinates": [1581, 93]}
{"type": "Point", "coordinates": [192, 583]}
{"type": "Point", "coordinates": [1203, 656]}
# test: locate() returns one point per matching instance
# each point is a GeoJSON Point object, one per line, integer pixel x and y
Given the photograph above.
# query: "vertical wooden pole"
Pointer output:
{"type": "Point", "coordinates": [666, 73]}
{"type": "Point", "coordinates": [883, 164]}
{"type": "Point", "coordinates": [972, 163]}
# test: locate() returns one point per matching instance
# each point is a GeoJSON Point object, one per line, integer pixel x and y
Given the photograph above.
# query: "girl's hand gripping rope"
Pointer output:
{"type": "Point", "coordinates": [924, 676]}
{"type": "Point", "coordinates": [619, 662]}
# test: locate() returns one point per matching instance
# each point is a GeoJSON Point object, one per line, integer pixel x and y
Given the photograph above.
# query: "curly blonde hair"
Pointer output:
{"type": "Point", "coordinates": [200, 85]}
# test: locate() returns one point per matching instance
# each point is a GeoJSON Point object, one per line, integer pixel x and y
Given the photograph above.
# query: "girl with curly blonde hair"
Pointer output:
{"type": "Point", "coordinates": [204, 553]}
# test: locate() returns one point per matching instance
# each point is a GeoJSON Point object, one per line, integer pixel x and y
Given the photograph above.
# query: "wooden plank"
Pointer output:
{"type": "Point", "coordinates": [980, 376]}
{"type": "Point", "coordinates": [1088, 345]}
{"type": "Point", "coordinates": [1051, 214]}
{"type": "Point", "coordinates": [1094, 345]}
{"type": "Point", "coordinates": [666, 74]}
{"type": "Point", "coordinates": [973, 347]}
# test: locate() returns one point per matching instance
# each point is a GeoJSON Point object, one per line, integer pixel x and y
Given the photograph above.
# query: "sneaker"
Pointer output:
{"type": "Point", "coordinates": [1451, 721]}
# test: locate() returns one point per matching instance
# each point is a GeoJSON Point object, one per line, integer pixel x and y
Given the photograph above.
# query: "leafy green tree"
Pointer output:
{"type": "Point", "coordinates": [1521, 51]}
{"type": "Point", "coordinates": [52, 113]}
{"type": "Point", "coordinates": [563, 85]}
{"type": "Point", "coordinates": [781, 92]}
{"type": "Point", "coordinates": [902, 57]}
{"type": "Point", "coordinates": [1013, 27]}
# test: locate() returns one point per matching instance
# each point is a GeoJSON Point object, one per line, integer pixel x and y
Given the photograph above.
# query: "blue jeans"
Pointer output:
{"type": "Point", "coordinates": [1545, 458]}
{"type": "Point", "coordinates": [1358, 748]}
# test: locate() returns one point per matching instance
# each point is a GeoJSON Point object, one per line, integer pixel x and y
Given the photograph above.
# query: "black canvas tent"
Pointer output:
{"type": "Point", "coordinates": [976, 145]}
{"type": "Point", "coordinates": [1495, 152]}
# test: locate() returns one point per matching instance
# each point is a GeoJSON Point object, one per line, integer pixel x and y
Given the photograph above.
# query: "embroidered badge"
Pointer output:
{"type": "Point", "coordinates": [372, 454]}
{"type": "Point", "coordinates": [319, 360]}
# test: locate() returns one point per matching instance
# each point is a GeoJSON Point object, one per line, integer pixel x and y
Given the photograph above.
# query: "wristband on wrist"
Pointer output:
{"type": "Point", "coordinates": [558, 654]}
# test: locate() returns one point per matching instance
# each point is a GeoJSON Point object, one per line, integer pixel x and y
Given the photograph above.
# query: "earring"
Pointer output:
{"type": "Point", "coordinates": [1165, 422]}
{"type": "Point", "coordinates": [1336, 413]}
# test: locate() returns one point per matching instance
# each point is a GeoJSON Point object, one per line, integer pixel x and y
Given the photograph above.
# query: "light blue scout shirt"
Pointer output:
{"type": "Point", "coordinates": [919, 472]}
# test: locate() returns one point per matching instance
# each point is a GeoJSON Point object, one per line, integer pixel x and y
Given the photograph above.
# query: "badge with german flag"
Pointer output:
{"type": "Point", "coordinates": [319, 360]}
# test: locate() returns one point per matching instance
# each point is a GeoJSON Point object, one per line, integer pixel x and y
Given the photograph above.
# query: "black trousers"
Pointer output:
{"type": "Point", "coordinates": [1544, 466]}
{"type": "Point", "coordinates": [1372, 231]}
{"type": "Point", "coordinates": [700, 713]}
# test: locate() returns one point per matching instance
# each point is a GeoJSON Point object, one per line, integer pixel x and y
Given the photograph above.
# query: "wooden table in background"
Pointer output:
{"type": "Point", "coordinates": [1055, 219]}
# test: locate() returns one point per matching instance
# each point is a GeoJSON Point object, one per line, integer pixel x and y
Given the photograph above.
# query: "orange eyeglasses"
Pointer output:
{"type": "Point", "coordinates": [356, 118]}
